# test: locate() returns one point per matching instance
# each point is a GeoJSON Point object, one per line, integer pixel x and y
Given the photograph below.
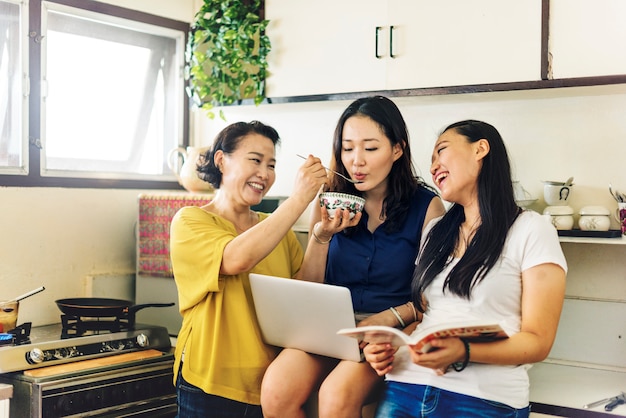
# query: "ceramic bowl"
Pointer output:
{"type": "Point", "coordinates": [337, 201]}
{"type": "Point", "coordinates": [556, 194]}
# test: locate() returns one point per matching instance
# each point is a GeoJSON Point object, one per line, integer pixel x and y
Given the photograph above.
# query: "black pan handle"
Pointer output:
{"type": "Point", "coordinates": [135, 308]}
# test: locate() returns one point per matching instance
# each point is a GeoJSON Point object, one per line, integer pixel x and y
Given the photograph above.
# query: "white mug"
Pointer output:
{"type": "Point", "coordinates": [556, 195]}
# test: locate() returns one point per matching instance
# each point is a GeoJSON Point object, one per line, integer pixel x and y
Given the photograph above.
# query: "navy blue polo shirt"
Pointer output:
{"type": "Point", "coordinates": [378, 267]}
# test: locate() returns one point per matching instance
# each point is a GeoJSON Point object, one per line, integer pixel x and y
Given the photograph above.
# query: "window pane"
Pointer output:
{"type": "Point", "coordinates": [13, 102]}
{"type": "Point", "coordinates": [113, 96]}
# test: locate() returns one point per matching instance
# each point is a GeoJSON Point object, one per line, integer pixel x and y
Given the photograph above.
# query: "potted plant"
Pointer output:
{"type": "Point", "coordinates": [226, 54]}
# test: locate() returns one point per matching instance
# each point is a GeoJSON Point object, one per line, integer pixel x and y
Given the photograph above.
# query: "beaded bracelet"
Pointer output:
{"type": "Point", "coordinates": [460, 366]}
{"type": "Point", "coordinates": [397, 315]}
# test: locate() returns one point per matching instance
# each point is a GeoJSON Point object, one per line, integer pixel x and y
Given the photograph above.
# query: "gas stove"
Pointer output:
{"type": "Point", "coordinates": [116, 370]}
{"type": "Point", "coordinates": [50, 345]}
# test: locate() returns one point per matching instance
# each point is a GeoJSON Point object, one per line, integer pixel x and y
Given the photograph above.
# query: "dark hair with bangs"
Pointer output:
{"type": "Point", "coordinates": [498, 211]}
{"type": "Point", "coordinates": [228, 141]}
{"type": "Point", "coordinates": [402, 178]}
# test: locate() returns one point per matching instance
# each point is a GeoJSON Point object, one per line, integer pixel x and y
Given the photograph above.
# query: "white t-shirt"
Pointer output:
{"type": "Point", "coordinates": [532, 240]}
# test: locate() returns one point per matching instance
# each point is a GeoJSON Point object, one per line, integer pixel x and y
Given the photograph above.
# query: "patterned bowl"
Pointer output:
{"type": "Point", "coordinates": [338, 201]}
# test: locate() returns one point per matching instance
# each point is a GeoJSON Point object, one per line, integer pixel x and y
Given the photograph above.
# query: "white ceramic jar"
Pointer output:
{"type": "Point", "coordinates": [594, 218]}
{"type": "Point", "coordinates": [561, 216]}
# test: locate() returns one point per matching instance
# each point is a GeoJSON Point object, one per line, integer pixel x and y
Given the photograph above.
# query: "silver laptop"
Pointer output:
{"type": "Point", "coordinates": [305, 315]}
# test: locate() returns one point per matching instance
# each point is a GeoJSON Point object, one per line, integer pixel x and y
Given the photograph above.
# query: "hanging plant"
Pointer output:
{"type": "Point", "coordinates": [226, 55]}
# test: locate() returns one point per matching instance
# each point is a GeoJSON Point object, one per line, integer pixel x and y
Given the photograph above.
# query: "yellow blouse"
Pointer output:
{"type": "Point", "coordinates": [224, 353]}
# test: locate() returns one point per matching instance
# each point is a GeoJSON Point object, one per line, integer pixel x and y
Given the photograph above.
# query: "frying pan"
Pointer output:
{"type": "Point", "coordinates": [103, 307]}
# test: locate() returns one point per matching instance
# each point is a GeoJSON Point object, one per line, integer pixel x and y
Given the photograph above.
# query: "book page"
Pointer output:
{"type": "Point", "coordinates": [420, 340]}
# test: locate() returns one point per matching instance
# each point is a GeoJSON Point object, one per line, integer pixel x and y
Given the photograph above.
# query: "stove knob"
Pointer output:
{"type": "Point", "coordinates": [61, 353]}
{"type": "Point", "coordinates": [142, 340]}
{"type": "Point", "coordinates": [35, 356]}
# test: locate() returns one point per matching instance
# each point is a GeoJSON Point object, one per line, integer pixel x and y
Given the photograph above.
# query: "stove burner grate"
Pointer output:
{"type": "Point", "coordinates": [76, 326]}
{"type": "Point", "coordinates": [21, 334]}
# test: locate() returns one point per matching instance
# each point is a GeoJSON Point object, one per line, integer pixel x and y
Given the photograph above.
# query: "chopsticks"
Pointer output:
{"type": "Point", "coordinates": [333, 171]}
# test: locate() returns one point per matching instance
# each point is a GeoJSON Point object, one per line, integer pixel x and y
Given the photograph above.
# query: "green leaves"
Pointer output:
{"type": "Point", "coordinates": [227, 54]}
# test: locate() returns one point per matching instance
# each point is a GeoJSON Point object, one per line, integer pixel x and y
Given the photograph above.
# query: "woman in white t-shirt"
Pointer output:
{"type": "Point", "coordinates": [484, 259]}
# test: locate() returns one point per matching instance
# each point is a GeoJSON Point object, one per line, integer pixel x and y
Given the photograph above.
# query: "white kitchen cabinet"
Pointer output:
{"type": "Point", "coordinates": [588, 359]}
{"type": "Point", "coordinates": [451, 42]}
{"type": "Point", "coordinates": [587, 38]}
{"type": "Point", "coordinates": [328, 47]}
{"type": "Point", "coordinates": [324, 46]}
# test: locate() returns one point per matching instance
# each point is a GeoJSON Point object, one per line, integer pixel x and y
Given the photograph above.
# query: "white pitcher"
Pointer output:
{"type": "Point", "coordinates": [519, 192]}
{"type": "Point", "coordinates": [187, 173]}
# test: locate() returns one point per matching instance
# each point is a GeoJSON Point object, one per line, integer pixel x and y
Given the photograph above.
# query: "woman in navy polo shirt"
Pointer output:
{"type": "Point", "coordinates": [372, 254]}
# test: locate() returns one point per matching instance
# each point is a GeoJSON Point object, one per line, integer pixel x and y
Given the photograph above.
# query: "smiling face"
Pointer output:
{"type": "Point", "coordinates": [248, 172]}
{"type": "Point", "coordinates": [456, 164]}
{"type": "Point", "coordinates": [367, 153]}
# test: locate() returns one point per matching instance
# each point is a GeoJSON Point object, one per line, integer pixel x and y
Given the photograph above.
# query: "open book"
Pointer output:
{"type": "Point", "coordinates": [420, 339]}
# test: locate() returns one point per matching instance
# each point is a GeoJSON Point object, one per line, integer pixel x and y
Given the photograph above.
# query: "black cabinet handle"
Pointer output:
{"type": "Point", "coordinates": [391, 42]}
{"type": "Point", "coordinates": [376, 50]}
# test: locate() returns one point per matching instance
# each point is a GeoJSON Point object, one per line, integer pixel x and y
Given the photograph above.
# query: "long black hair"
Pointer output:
{"type": "Point", "coordinates": [227, 140]}
{"type": "Point", "coordinates": [402, 178]}
{"type": "Point", "coordinates": [498, 211]}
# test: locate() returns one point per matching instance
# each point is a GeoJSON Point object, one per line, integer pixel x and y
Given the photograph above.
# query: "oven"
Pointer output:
{"type": "Point", "coordinates": [101, 373]}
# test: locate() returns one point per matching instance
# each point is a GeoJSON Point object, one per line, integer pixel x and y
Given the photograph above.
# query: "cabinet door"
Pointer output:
{"type": "Point", "coordinates": [587, 37]}
{"type": "Point", "coordinates": [324, 46]}
{"type": "Point", "coordinates": [451, 42]}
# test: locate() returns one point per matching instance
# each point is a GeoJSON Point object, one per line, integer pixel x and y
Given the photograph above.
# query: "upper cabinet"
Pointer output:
{"type": "Point", "coordinates": [587, 38]}
{"type": "Point", "coordinates": [451, 42]}
{"type": "Point", "coordinates": [326, 47]}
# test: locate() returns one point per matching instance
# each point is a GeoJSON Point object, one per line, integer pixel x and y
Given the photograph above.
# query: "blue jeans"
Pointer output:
{"type": "Point", "coordinates": [405, 400]}
{"type": "Point", "coordinates": [194, 403]}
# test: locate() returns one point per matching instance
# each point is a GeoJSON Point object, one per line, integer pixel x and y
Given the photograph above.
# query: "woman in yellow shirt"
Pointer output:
{"type": "Point", "coordinates": [220, 355]}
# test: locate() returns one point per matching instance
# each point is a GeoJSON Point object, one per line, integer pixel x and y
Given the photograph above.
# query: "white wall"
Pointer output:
{"type": "Point", "coordinates": [56, 238]}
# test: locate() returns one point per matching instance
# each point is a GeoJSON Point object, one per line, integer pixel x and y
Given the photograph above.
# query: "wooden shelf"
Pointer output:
{"type": "Point", "coordinates": [452, 90]}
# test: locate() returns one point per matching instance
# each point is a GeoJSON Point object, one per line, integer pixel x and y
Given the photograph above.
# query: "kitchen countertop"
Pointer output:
{"type": "Point", "coordinates": [6, 391]}
{"type": "Point", "coordinates": [562, 388]}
